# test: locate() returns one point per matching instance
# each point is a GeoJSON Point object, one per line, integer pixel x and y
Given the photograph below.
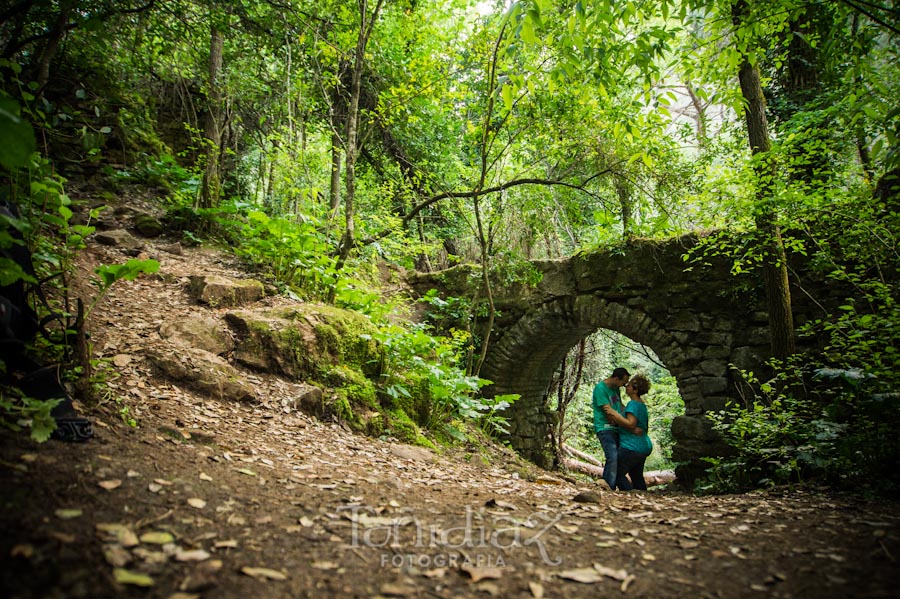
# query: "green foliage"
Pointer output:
{"type": "Point", "coordinates": [664, 403]}
{"type": "Point", "coordinates": [451, 314]}
{"type": "Point", "coordinates": [293, 252]}
{"type": "Point", "coordinates": [835, 430]}
{"type": "Point", "coordinates": [415, 356]}
{"type": "Point", "coordinates": [402, 427]}
{"type": "Point", "coordinates": [164, 172]}
{"type": "Point", "coordinates": [16, 134]}
{"type": "Point", "coordinates": [18, 412]}
{"type": "Point", "coordinates": [129, 271]}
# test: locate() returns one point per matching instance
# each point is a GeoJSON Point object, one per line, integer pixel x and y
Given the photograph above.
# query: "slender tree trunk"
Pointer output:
{"type": "Point", "coordinates": [334, 193]}
{"type": "Point", "coordinates": [270, 185]}
{"type": "Point", "coordinates": [626, 204]}
{"type": "Point", "coordinates": [484, 238]}
{"type": "Point", "coordinates": [778, 294]}
{"type": "Point", "coordinates": [862, 146]}
{"type": "Point", "coordinates": [565, 394]}
{"type": "Point", "coordinates": [212, 131]}
{"type": "Point", "coordinates": [702, 137]}
{"type": "Point", "coordinates": [366, 24]}
{"type": "Point", "coordinates": [60, 26]}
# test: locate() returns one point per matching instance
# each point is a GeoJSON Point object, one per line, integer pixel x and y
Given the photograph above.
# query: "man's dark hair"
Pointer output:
{"type": "Point", "coordinates": [620, 373]}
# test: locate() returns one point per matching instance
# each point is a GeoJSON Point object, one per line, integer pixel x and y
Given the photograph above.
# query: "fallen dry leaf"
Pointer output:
{"type": "Point", "coordinates": [192, 555]}
{"type": "Point", "coordinates": [116, 555]}
{"type": "Point", "coordinates": [610, 572]}
{"type": "Point", "coordinates": [397, 589]}
{"type": "Point", "coordinates": [499, 503]}
{"type": "Point", "coordinates": [537, 590]}
{"type": "Point", "coordinates": [488, 587]}
{"type": "Point", "coordinates": [476, 573]}
{"type": "Point", "coordinates": [264, 573]}
{"type": "Point", "coordinates": [584, 575]}
{"type": "Point", "coordinates": [157, 538]}
{"type": "Point", "coordinates": [124, 576]}
{"type": "Point", "coordinates": [121, 360]}
{"type": "Point", "coordinates": [23, 550]}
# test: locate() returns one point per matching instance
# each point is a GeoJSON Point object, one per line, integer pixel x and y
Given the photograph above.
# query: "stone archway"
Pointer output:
{"type": "Point", "coordinates": [700, 320]}
{"type": "Point", "coordinates": [517, 365]}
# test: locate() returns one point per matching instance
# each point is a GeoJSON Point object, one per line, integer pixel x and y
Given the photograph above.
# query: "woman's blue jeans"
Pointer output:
{"type": "Point", "coordinates": [609, 441]}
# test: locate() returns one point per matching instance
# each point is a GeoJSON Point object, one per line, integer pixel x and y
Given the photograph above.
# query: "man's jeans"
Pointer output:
{"type": "Point", "coordinates": [609, 440]}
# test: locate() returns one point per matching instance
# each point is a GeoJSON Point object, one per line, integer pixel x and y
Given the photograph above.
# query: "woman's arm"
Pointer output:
{"type": "Point", "coordinates": [628, 422]}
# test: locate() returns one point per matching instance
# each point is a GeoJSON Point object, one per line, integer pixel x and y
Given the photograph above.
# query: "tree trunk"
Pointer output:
{"type": "Point", "coordinates": [625, 204]}
{"type": "Point", "coordinates": [212, 130]}
{"type": "Point", "coordinates": [366, 25]}
{"type": "Point", "coordinates": [702, 138]}
{"type": "Point", "coordinates": [334, 192]}
{"type": "Point", "coordinates": [60, 26]}
{"type": "Point", "coordinates": [778, 293]}
{"type": "Point", "coordinates": [565, 394]}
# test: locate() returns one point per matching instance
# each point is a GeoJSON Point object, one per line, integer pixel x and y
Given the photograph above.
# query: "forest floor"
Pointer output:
{"type": "Point", "coordinates": [211, 500]}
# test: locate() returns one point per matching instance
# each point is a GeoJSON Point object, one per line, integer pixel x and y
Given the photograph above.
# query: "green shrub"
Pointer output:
{"type": "Point", "coordinates": [840, 433]}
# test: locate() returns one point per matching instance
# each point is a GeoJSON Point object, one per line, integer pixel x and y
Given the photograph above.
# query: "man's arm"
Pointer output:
{"type": "Point", "coordinates": [628, 422]}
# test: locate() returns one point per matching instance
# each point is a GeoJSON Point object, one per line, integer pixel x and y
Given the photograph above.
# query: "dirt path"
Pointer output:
{"type": "Point", "coordinates": [222, 500]}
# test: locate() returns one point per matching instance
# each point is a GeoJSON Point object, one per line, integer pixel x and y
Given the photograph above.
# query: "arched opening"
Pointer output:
{"type": "Point", "coordinates": [569, 398]}
{"type": "Point", "coordinates": [526, 358]}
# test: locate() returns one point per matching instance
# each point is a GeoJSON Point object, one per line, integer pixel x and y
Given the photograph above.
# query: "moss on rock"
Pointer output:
{"type": "Point", "coordinates": [404, 429]}
{"type": "Point", "coordinates": [359, 389]}
{"type": "Point", "coordinates": [303, 341]}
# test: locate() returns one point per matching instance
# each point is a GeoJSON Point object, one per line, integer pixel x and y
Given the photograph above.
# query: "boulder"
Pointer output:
{"type": "Point", "coordinates": [202, 371]}
{"type": "Point", "coordinates": [119, 238]}
{"type": "Point", "coordinates": [220, 292]}
{"type": "Point", "coordinates": [147, 225]}
{"type": "Point", "coordinates": [304, 340]}
{"type": "Point", "coordinates": [200, 331]}
{"type": "Point", "coordinates": [307, 398]}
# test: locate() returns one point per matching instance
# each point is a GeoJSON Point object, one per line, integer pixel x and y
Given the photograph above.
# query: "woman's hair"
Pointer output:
{"type": "Point", "coordinates": [641, 383]}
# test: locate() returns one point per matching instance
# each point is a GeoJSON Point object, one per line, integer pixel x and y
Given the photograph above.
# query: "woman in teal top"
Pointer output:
{"type": "Point", "coordinates": [634, 443]}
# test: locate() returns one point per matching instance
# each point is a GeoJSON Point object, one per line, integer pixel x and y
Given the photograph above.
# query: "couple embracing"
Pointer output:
{"type": "Point", "coordinates": [622, 429]}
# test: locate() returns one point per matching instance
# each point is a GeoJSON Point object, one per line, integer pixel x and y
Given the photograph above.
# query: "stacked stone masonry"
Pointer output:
{"type": "Point", "coordinates": [705, 324]}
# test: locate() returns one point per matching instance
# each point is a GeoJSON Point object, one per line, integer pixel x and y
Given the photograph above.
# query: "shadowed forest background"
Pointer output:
{"type": "Point", "coordinates": [326, 144]}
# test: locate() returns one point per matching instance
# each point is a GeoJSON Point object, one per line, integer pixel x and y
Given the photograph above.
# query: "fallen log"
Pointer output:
{"type": "Point", "coordinates": [652, 478]}
{"type": "Point", "coordinates": [583, 467]}
{"type": "Point", "coordinates": [584, 457]}
{"type": "Point", "coordinates": [659, 477]}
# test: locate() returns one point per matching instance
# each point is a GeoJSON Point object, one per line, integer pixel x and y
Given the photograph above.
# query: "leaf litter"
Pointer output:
{"type": "Point", "coordinates": [155, 533]}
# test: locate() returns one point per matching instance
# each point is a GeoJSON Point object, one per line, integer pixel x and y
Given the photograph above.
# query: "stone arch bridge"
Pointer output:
{"type": "Point", "coordinates": [698, 318]}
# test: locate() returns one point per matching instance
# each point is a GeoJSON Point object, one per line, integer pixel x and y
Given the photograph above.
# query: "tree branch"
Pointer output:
{"type": "Point", "coordinates": [470, 194]}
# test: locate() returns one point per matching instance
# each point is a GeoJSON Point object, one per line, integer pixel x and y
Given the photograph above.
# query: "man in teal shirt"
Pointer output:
{"type": "Point", "coordinates": [634, 442]}
{"type": "Point", "coordinates": [606, 392]}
